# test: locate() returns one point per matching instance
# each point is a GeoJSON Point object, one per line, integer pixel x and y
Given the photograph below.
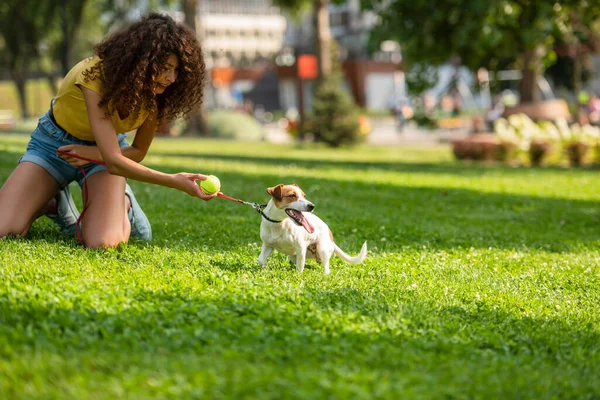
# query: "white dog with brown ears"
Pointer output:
{"type": "Point", "coordinates": [289, 227]}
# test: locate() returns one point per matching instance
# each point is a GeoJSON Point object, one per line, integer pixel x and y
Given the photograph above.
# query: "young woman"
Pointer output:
{"type": "Point", "coordinates": [152, 71]}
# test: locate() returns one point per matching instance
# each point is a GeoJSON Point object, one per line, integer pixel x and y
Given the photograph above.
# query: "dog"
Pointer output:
{"type": "Point", "coordinates": [289, 227]}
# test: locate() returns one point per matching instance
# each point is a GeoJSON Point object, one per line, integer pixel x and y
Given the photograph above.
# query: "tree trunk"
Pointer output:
{"type": "Point", "coordinates": [323, 36]}
{"type": "Point", "coordinates": [20, 81]}
{"type": "Point", "coordinates": [197, 124]}
{"type": "Point", "coordinates": [301, 113]}
{"type": "Point", "coordinates": [190, 9]}
{"type": "Point", "coordinates": [577, 69]}
{"type": "Point", "coordinates": [66, 39]}
{"type": "Point", "coordinates": [52, 83]}
{"type": "Point", "coordinates": [531, 72]}
{"type": "Point", "coordinates": [71, 14]}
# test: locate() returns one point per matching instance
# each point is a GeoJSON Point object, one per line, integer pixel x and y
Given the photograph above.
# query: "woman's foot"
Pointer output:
{"type": "Point", "coordinates": [140, 226]}
{"type": "Point", "coordinates": [66, 214]}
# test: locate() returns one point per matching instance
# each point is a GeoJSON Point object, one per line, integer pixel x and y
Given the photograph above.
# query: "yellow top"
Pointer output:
{"type": "Point", "coordinates": [70, 110]}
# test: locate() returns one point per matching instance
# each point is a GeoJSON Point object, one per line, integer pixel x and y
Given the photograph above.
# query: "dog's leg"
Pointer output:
{"type": "Point", "coordinates": [265, 252]}
{"type": "Point", "coordinates": [326, 269]}
{"type": "Point", "coordinates": [325, 256]}
{"type": "Point", "coordinates": [300, 258]}
{"type": "Point", "coordinates": [292, 259]}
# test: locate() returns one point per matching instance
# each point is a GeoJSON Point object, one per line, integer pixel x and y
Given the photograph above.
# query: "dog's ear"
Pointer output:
{"type": "Point", "coordinates": [276, 192]}
{"type": "Point", "coordinates": [301, 191]}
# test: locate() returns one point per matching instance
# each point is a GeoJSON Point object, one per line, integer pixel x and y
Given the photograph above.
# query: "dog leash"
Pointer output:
{"type": "Point", "coordinates": [256, 206]}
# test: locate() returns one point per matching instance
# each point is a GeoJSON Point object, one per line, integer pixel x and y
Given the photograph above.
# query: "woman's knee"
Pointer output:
{"type": "Point", "coordinates": [104, 240]}
{"type": "Point", "coordinates": [13, 227]}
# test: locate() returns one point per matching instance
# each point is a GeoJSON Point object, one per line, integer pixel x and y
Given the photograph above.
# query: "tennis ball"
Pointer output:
{"type": "Point", "coordinates": [211, 185]}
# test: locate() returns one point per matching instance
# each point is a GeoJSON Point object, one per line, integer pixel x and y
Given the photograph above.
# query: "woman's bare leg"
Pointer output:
{"type": "Point", "coordinates": [26, 194]}
{"type": "Point", "coordinates": [105, 223]}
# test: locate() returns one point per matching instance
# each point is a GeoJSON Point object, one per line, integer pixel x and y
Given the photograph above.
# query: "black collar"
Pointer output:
{"type": "Point", "coordinates": [269, 219]}
{"type": "Point", "coordinates": [260, 208]}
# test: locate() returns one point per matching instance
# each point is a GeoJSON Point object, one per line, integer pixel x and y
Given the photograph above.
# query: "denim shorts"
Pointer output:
{"type": "Point", "coordinates": [45, 141]}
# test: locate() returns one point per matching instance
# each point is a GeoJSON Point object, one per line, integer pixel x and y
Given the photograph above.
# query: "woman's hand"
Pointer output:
{"type": "Point", "coordinates": [187, 183]}
{"type": "Point", "coordinates": [77, 150]}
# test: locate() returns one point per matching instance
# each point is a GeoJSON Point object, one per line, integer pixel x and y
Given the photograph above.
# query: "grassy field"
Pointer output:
{"type": "Point", "coordinates": [481, 283]}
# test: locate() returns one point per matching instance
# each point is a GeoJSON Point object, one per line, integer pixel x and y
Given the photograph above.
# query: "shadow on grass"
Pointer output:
{"type": "Point", "coordinates": [289, 346]}
{"type": "Point", "coordinates": [438, 168]}
{"type": "Point", "coordinates": [442, 167]}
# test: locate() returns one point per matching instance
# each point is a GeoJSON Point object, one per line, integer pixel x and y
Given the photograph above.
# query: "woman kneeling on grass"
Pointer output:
{"type": "Point", "coordinates": [151, 72]}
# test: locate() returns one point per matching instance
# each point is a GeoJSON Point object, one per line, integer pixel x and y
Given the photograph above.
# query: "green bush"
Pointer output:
{"type": "Point", "coordinates": [233, 125]}
{"type": "Point", "coordinates": [335, 120]}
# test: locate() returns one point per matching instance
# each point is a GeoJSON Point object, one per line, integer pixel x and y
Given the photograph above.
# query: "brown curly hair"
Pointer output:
{"type": "Point", "coordinates": [131, 59]}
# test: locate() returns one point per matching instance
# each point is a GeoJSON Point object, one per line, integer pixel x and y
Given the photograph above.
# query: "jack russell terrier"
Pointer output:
{"type": "Point", "coordinates": [289, 227]}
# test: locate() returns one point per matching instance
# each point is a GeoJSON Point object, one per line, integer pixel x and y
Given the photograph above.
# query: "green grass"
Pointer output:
{"type": "Point", "coordinates": [481, 283]}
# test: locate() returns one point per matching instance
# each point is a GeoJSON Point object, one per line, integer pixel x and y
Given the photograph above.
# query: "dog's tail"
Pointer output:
{"type": "Point", "coordinates": [352, 260]}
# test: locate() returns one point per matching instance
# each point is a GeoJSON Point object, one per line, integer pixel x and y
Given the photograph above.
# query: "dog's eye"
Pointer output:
{"type": "Point", "coordinates": [293, 195]}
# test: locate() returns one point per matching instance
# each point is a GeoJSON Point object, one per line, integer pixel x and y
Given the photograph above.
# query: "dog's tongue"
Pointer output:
{"type": "Point", "coordinates": [309, 228]}
{"type": "Point", "coordinates": [299, 218]}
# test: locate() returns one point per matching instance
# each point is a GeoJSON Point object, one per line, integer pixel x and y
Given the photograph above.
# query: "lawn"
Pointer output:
{"type": "Point", "coordinates": [482, 282]}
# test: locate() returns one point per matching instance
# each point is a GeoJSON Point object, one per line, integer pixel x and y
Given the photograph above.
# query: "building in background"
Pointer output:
{"type": "Point", "coordinates": [240, 32]}
{"type": "Point", "coordinates": [251, 50]}
{"type": "Point", "coordinates": [373, 78]}
{"type": "Point", "coordinates": [240, 39]}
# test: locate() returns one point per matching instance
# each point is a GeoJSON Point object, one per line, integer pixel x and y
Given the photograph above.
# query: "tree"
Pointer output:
{"type": "Point", "coordinates": [41, 34]}
{"type": "Point", "coordinates": [197, 122]}
{"type": "Point", "coordinates": [335, 116]}
{"type": "Point", "coordinates": [190, 11]}
{"type": "Point", "coordinates": [61, 38]}
{"type": "Point", "coordinates": [320, 11]}
{"type": "Point", "coordinates": [71, 13]}
{"type": "Point", "coordinates": [322, 44]}
{"type": "Point", "coordinates": [573, 48]}
{"type": "Point", "coordinates": [22, 26]}
{"type": "Point", "coordinates": [29, 27]}
{"type": "Point", "coordinates": [490, 34]}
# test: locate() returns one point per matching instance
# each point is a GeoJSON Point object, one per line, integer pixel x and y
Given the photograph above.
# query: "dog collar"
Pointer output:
{"type": "Point", "coordinates": [260, 208]}
{"type": "Point", "coordinates": [269, 219]}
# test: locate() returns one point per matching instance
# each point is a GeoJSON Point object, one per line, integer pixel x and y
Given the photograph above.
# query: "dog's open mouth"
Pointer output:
{"type": "Point", "coordinates": [300, 219]}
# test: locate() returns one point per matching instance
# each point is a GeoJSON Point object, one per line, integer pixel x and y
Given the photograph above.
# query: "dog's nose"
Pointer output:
{"type": "Point", "coordinates": [311, 206]}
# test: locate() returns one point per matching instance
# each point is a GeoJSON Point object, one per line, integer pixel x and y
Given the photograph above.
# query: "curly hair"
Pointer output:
{"type": "Point", "coordinates": [131, 59]}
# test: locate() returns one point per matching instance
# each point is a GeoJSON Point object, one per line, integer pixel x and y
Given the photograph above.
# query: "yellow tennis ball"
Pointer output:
{"type": "Point", "coordinates": [211, 185]}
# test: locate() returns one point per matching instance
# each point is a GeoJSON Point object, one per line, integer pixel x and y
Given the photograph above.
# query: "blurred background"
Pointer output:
{"type": "Point", "coordinates": [384, 72]}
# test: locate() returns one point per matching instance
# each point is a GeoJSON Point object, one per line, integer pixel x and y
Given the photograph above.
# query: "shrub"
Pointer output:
{"type": "Point", "coordinates": [576, 153]}
{"type": "Point", "coordinates": [577, 140]}
{"type": "Point", "coordinates": [424, 119]}
{"type": "Point", "coordinates": [538, 149]}
{"type": "Point", "coordinates": [506, 152]}
{"type": "Point", "coordinates": [335, 116]}
{"type": "Point", "coordinates": [538, 139]}
{"type": "Point", "coordinates": [233, 125]}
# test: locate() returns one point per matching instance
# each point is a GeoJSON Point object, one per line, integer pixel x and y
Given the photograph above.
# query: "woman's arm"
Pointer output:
{"type": "Point", "coordinates": [142, 141]}
{"type": "Point", "coordinates": [136, 152]}
{"type": "Point", "coordinates": [118, 164]}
